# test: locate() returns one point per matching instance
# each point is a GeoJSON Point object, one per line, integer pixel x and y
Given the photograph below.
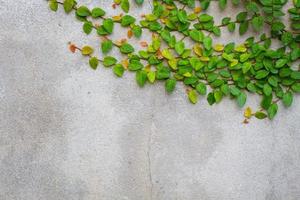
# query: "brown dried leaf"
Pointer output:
{"type": "Point", "coordinates": [125, 63]}
{"type": "Point", "coordinates": [72, 48]}
{"type": "Point", "coordinates": [129, 33]}
{"type": "Point", "coordinates": [144, 44]}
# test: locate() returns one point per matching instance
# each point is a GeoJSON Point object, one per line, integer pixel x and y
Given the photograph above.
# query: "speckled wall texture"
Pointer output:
{"type": "Point", "coordinates": [70, 133]}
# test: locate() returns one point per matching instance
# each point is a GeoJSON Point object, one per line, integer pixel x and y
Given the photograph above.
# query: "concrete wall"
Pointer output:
{"type": "Point", "coordinates": [70, 133]}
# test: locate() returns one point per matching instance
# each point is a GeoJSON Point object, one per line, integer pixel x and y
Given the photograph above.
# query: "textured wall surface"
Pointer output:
{"type": "Point", "coordinates": [70, 133]}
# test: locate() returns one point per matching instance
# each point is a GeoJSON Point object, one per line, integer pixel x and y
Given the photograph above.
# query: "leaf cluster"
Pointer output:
{"type": "Point", "coordinates": [208, 69]}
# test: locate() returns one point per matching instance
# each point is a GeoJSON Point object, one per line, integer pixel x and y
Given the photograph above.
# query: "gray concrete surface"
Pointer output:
{"type": "Point", "coordinates": [70, 133]}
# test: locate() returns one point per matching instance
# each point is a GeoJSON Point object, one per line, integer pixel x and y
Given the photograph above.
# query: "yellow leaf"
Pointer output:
{"type": "Point", "coordinates": [163, 20]}
{"type": "Point", "coordinates": [198, 50]}
{"type": "Point", "coordinates": [187, 74]}
{"type": "Point", "coordinates": [197, 10]}
{"type": "Point", "coordinates": [167, 54]}
{"type": "Point", "coordinates": [151, 76]}
{"type": "Point", "coordinates": [87, 50]}
{"type": "Point", "coordinates": [117, 18]}
{"type": "Point", "coordinates": [248, 113]}
{"type": "Point", "coordinates": [240, 48]}
{"type": "Point", "coordinates": [147, 68]}
{"type": "Point", "coordinates": [234, 62]}
{"type": "Point", "coordinates": [219, 47]}
{"type": "Point", "coordinates": [204, 58]}
{"type": "Point", "coordinates": [173, 64]}
{"type": "Point", "coordinates": [150, 17]}
{"type": "Point", "coordinates": [193, 96]}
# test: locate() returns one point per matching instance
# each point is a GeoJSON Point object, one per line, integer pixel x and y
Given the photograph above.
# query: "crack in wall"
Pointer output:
{"type": "Point", "coordinates": [149, 147]}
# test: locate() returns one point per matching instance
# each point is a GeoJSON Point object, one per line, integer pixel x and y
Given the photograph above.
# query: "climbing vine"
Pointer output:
{"type": "Point", "coordinates": [206, 68]}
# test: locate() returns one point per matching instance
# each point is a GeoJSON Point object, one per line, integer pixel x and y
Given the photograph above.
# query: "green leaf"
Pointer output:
{"type": "Point", "coordinates": [170, 85]}
{"type": "Point", "coordinates": [108, 25]}
{"type": "Point", "coordinates": [295, 75]}
{"type": "Point", "coordinates": [109, 61]}
{"type": "Point", "coordinates": [126, 48]}
{"type": "Point", "coordinates": [87, 27]}
{"type": "Point", "coordinates": [252, 7]}
{"type": "Point", "coordinates": [125, 5]}
{"type": "Point", "coordinates": [273, 81]}
{"type": "Point", "coordinates": [225, 89]}
{"type": "Point", "coordinates": [226, 20]}
{"type": "Point", "coordinates": [260, 115]}
{"type": "Point", "coordinates": [241, 17]}
{"type": "Point", "coordinates": [266, 102]}
{"type": "Point", "coordinates": [182, 16]}
{"type": "Point", "coordinates": [235, 91]}
{"type": "Point", "coordinates": [296, 87]}
{"type": "Point", "coordinates": [118, 70]}
{"type": "Point", "coordinates": [241, 99]}
{"type": "Point", "coordinates": [287, 99]}
{"type": "Point", "coordinates": [53, 5]}
{"type": "Point", "coordinates": [139, 2]}
{"type": "Point", "coordinates": [106, 46]}
{"type": "Point", "coordinates": [217, 31]}
{"type": "Point", "coordinates": [243, 27]}
{"type": "Point", "coordinates": [94, 62]}
{"type": "Point", "coordinates": [251, 87]}
{"type": "Point", "coordinates": [141, 78]}
{"type": "Point", "coordinates": [87, 50]}
{"type": "Point", "coordinates": [68, 5]}
{"type": "Point", "coordinates": [190, 80]}
{"type": "Point", "coordinates": [280, 63]}
{"type": "Point", "coordinates": [222, 4]}
{"type": "Point", "coordinates": [83, 11]}
{"type": "Point", "coordinates": [235, 2]}
{"type": "Point", "coordinates": [257, 23]}
{"type": "Point", "coordinates": [261, 74]}
{"type": "Point", "coordinates": [272, 111]}
{"type": "Point", "coordinates": [246, 67]}
{"type": "Point", "coordinates": [162, 73]}
{"type": "Point", "coordinates": [205, 18]}
{"type": "Point", "coordinates": [196, 35]}
{"type": "Point", "coordinates": [201, 88]}
{"type": "Point", "coordinates": [193, 96]}
{"type": "Point", "coordinates": [196, 63]}
{"type": "Point", "coordinates": [155, 26]}
{"type": "Point", "coordinates": [244, 57]}
{"type": "Point", "coordinates": [210, 98]}
{"type": "Point", "coordinates": [218, 95]}
{"type": "Point", "coordinates": [179, 47]}
{"type": "Point", "coordinates": [101, 31]}
{"type": "Point", "coordinates": [137, 31]}
{"type": "Point", "coordinates": [212, 77]}
{"type": "Point", "coordinates": [135, 65]}
{"type": "Point", "coordinates": [98, 12]}
{"type": "Point", "coordinates": [205, 4]}
{"type": "Point", "coordinates": [267, 89]}
{"type": "Point", "coordinates": [127, 20]}
{"type": "Point", "coordinates": [286, 38]}
{"type": "Point", "coordinates": [295, 25]}
{"type": "Point", "coordinates": [231, 27]}
{"type": "Point", "coordinates": [207, 42]}
{"type": "Point", "coordinates": [277, 26]}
